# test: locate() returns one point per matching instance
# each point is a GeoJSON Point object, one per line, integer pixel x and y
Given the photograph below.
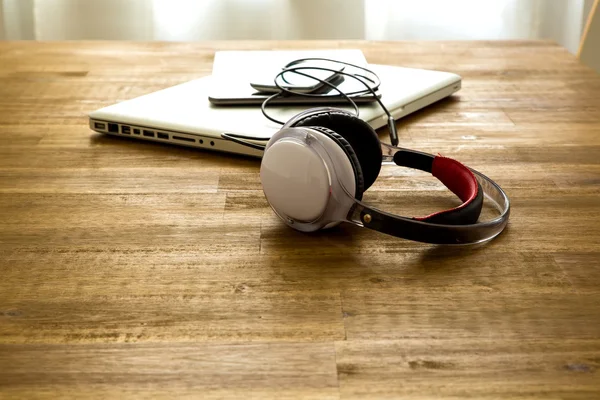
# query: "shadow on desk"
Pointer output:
{"type": "Point", "coordinates": [349, 256]}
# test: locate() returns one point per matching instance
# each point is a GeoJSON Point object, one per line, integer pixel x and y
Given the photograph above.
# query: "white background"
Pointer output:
{"type": "Point", "coordinates": [188, 20]}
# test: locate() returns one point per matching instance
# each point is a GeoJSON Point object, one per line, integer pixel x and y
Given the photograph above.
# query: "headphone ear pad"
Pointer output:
{"type": "Point", "coordinates": [357, 133]}
{"type": "Point", "coordinates": [345, 145]}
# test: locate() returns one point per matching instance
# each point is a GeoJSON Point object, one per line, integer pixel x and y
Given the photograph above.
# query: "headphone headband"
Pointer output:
{"type": "Point", "coordinates": [419, 229]}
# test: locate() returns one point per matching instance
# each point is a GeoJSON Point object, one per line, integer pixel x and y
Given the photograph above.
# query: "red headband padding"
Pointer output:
{"type": "Point", "coordinates": [462, 182]}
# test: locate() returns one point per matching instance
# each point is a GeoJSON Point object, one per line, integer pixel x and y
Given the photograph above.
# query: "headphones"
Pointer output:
{"type": "Point", "coordinates": [315, 169]}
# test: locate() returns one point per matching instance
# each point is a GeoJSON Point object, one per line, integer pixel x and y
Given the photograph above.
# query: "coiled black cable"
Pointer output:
{"type": "Point", "coordinates": [294, 67]}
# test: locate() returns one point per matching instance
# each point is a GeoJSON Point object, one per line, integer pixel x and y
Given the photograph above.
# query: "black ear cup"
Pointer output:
{"type": "Point", "coordinates": [345, 145]}
{"type": "Point", "coordinates": [358, 133]}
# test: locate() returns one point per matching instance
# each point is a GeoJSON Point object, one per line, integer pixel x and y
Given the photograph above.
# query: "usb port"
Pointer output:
{"type": "Point", "coordinates": [136, 131]}
{"type": "Point", "coordinates": [113, 128]}
{"type": "Point", "coordinates": [148, 133]}
{"type": "Point", "coordinates": [98, 125]}
{"type": "Point", "coordinates": [162, 135]}
{"type": "Point", "coordinates": [126, 130]}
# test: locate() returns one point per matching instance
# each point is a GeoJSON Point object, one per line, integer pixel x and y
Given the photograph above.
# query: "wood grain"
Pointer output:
{"type": "Point", "coordinates": [460, 368]}
{"type": "Point", "coordinates": [286, 371]}
{"type": "Point", "coordinates": [140, 270]}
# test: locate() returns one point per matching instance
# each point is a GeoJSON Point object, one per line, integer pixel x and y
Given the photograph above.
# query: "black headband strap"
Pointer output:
{"type": "Point", "coordinates": [455, 226]}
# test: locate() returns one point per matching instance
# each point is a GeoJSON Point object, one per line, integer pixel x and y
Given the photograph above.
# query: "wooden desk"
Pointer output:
{"type": "Point", "coordinates": [133, 268]}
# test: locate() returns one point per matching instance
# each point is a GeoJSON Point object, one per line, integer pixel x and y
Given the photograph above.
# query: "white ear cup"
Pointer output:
{"type": "Point", "coordinates": [297, 180]}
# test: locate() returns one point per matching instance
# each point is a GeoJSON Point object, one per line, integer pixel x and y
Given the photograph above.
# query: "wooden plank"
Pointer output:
{"type": "Point", "coordinates": [192, 370]}
{"type": "Point", "coordinates": [102, 294]}
{"type": "Point", "coordinates": [231, 313]}
{"type": "Point", "coordinates": [479, 368]}
{"type": "Point", "coordinates": [433, 313]}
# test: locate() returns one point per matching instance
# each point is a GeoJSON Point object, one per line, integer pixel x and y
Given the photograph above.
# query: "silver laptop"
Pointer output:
{"type": "Point", "coordinates": [183, 115]}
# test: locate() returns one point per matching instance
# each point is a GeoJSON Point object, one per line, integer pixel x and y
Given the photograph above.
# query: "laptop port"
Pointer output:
{"type": "Point", "coordinates": [162, 135]}
{"type": "Point", "coordinates": [183, 139]}
{"type": "Point", "coordinates": [98, 125]}
{"type": "Point", "coordinates": [136, 131]}
{"type": "Point", "coordinates": [126, 130]}
{"type": "Point", "coordinates": [113, 128]}
{"type": "Point", "coordinates": [148, 133]}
